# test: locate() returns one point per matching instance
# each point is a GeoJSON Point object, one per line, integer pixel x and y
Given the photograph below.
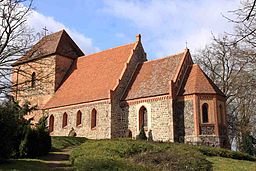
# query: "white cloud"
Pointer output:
{"type": "Point", "coordinates": [168, 24]}
{"type": "Point", "coordinates": [38, 21]}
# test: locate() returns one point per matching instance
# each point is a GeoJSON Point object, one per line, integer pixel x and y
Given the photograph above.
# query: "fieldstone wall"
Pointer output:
{"type": "Point", "coordinates": [209, 140]}
{"type": "Point", "coordinates": [185, 127]}
{"type": "Point", "coordinates": [119, 119]}
{"type": "Point", "coordinates": [160, 118]}
{"type": "Point", "coordinates": [103, 120]}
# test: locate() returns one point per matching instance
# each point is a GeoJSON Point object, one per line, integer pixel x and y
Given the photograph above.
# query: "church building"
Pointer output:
{"type": "Point", "coordinates": [115, 92]}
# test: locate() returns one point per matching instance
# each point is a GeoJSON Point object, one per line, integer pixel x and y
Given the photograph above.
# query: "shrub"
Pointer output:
{"type": "Point", "coordinates": [214, 151]}
{"type": "Point", "coordinates": [8, 127]}
{"type": "Point", "coordinates": [142, 134]}
{"type": "Point", "coordinates": [36, 142]}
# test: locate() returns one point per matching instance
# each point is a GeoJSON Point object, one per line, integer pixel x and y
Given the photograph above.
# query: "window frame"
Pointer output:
{"type": "Point", "coordinates": [143, 117]}
{"type": "Point", "coordinates": [64, 120]}
{"type": "Point", "coordinates": [205, 113]}
{"type": "Point", "coordinates": [78, 118]}
{"type": "Point", "coordinates": [94, 119]}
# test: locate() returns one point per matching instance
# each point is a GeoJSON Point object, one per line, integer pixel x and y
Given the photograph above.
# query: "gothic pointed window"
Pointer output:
{"type": "Point", "coordinates": [51, 123]}
{"type": "Point", "coordinates": [221, 114]}
{"type": "Point", "coordinates": [79, 118]}
{"type": "Point", "coordinates": [93, 118]}
{"type": "Point", "coordinates": [143, 117]}
{"type": "Point", "coordinates": [205, 113]}
{"type": "Point", "coordinates": [33, 79]}
{"type": "Point", "coordinates": [64, 120]}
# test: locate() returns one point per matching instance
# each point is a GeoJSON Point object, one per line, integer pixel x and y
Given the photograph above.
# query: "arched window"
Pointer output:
{"type": "Point", "coordinates": [93, 118]}
{"type": "Point", "coordinates": [64, 120]}
{"type": "Point", "coordinates": [51, 123]}
{"type": "Point", "coordinates": [205, 113]}
{"type": "Point", "coordinates": [33, 79]}
{"type": "Point", "coordinates": [143, 117]}
{"type": "Point", "coordinates": [221, 114]}
{"type": "Point", "coordinates": [79, 118]}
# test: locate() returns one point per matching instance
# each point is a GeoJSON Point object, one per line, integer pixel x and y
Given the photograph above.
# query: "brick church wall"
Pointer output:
{"type": "Point", "coordinates": [103, 121]}
{"type": "Point", "coordinates": [49, 72]}
{"type": "Point", "coordinates": [44, 85]}
{"type": "Point", "coordinates": [160, 118]}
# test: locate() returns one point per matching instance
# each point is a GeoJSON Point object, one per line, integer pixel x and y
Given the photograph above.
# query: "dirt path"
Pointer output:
{"type": "Point", "coordinates": [58, 160]}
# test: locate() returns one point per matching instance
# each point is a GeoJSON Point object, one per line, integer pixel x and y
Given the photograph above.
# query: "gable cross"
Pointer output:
{"type": "Point", "coordinates": [45, 31]}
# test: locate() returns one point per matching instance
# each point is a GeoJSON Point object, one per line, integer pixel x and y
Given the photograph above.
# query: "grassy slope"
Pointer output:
{"type": "Point", "coordinates": [138, 155]}
{"type": "Point", "coordinates": [24, 164]}
{"type": "Point", "coordinates": [126, 154]}
{"type": "Point", "coordinates": [132, 156]}
{"type": "Point", "coordinates": [227, 164]}
{"type": "Point", "coordinates": [42, 163]}
{"type": "Point", "coordinates": [59, 143]}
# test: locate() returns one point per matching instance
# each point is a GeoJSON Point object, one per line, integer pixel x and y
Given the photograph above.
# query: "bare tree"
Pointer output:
{"type": "Point", "coordinates": [245, 23]}
{"type": "Point", "coordinates": [233, 68]}
{"type": "Point", "coordinates": [15, 37]}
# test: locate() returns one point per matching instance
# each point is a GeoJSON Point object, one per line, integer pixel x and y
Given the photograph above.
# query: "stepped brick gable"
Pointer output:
{"type": "Point", "coordinates": [113, 93]}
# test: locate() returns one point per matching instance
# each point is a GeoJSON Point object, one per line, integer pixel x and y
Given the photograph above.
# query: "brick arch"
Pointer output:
{"type": "Point", "coordinates": [205, 113]}
{"type": "Point", "coordinates": [148, 107]}
{"type": "Point", "coordinates": [51, 123]}
{"type": "Point", "coordinates": [143, 117]}
{"type": "Point", "coordinates": [64, 120]}
{"type": "Point", "coordinates": [78, 118]}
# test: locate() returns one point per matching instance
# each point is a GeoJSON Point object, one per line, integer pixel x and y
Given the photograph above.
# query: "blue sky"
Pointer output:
{"type": "Point", "coordinates": [165, 25]}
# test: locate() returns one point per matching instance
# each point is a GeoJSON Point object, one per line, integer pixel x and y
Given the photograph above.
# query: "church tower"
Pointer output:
{"type": "Point", "coordinates": [41, 71]}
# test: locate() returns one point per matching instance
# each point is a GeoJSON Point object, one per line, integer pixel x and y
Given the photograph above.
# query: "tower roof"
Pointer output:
{"type": "Point", "coordinates": [197, 82]}
{"type": "Point", "coordinates": [56, 43]}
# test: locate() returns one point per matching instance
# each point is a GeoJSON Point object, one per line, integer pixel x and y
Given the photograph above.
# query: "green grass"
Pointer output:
{"type": "Point", "coordinates": [44, 163]}
{"type": "Point", "coordinates": [24, 164]}
{"type": "Point", "coordinates": [227, 164]}
{"type": "Point", "coordinates": [59, 143]}
{"type": "Point", "coordinates": [123, 154]}
{"type": "Point", "coordinates": [215, 151]}
{"type": "Point", "coordinates": [127, 154]}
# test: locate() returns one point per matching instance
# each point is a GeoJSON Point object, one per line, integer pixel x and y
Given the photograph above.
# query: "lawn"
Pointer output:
{"type": "Point", "coordinates": [127, 154]}
{"type": "Point", "coordinates": [24, 164]}
{"type": "Point", "coordinates": [59, 143]}
{"type": "Point", "coordinates": [227, 164]}
{"type": "Point", "coordinates": [58, 159]}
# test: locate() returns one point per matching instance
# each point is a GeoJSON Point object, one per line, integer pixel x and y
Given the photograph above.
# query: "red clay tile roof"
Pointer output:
{"type": "Point", "coordinates": [152, 77]}
{"type": "Point", "coordinates": [198, 82]}
{"type": "Point", "coordinates": [56, 43]}
{"type": "Point", "coordinates": [92, 77]}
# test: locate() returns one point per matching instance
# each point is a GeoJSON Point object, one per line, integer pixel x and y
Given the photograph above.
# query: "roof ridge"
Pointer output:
{"type": "Point", "coordinates": [107, 50]}
{"type": "Point", "coordinates": [59, 38]}
{"type": "Point", "coordinates": [165, 57]}
{"type": "Point", "coordinates": [175, 77]}
{"type": "Point", "coordinates": [128, 61]}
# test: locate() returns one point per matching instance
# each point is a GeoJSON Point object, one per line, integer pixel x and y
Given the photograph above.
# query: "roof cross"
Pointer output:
{"type": "Point", "coordinates": [45, 30]}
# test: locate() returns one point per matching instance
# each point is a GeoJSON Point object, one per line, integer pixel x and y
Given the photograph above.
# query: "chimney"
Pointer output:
{"type": "Point", "coordinates": [138, 38]}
